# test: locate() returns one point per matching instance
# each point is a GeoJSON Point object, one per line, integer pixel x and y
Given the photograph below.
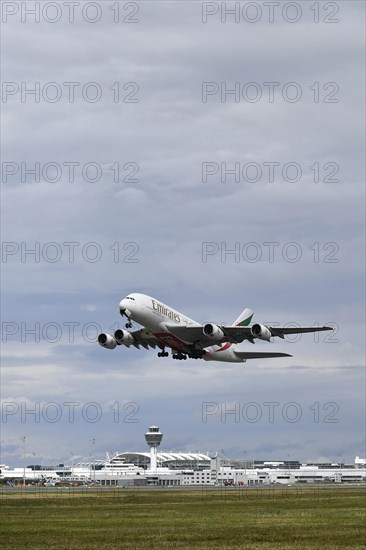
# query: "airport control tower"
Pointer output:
{"type": "Point", "coordinates": [153, 438]}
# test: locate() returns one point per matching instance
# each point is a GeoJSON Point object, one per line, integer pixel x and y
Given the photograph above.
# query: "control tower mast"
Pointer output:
{"type": "Point", "coordinates": [153, 438]}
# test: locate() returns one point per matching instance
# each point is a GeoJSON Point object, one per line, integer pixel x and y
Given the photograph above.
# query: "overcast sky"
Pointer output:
{"type": "Point", "coordinates": [182, 136]}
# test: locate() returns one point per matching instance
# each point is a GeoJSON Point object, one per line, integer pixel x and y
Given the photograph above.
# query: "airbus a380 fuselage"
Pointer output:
{"type": "Point", "coordinates": [156, 317]}
{"type": "Point", "coordinates": [165, 327]}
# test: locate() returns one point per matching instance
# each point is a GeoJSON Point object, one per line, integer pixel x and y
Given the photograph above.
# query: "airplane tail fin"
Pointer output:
{"type": "Point", "coordinates": [244, 318]}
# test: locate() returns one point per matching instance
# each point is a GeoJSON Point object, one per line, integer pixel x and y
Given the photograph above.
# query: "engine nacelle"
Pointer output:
{"type": "Point", "coordinates": [107, 341]}
{"type": "Point", "coordinates": [123, 337]}
{"type": "Point", "coordinates": [213, 331]}
{"type": "Point", "coordinates": [261, 332]}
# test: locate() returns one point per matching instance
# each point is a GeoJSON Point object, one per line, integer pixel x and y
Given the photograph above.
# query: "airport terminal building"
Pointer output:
{"type": "Point", "coordinates": [186, 468]}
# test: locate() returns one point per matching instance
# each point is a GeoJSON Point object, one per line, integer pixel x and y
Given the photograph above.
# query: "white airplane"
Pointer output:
{"type": "Point", "coordinates": [164, 327]}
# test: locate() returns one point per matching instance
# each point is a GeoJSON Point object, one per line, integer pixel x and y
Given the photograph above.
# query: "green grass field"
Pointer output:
{"type": "Point", "coordinates": [267, 519]}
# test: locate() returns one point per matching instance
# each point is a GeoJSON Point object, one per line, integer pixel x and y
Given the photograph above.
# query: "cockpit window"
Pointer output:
{"type": "Point", "coordinates": [129, 298]}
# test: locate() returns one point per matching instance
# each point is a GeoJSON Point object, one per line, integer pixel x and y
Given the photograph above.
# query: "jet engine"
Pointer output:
{"type": "Point", "coordinates": [123, 337]}
{"type": "Point", "coordinates": [261, 332]}
{"type": "Point", "coordinates": [107, 341]}
{"type": "Point", "coordinates": [213, 331]}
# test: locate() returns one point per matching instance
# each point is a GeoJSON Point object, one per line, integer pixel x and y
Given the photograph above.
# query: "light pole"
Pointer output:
{"type": "Point", "coordinates": [340, 468]}
{"type": "Point", "coordinates": [23, 439]}
{"type": "Point", "coordinates": [245, 468]}
{"type": "Point", "coordinates": [73, 463]}
{"type": "Point", "coordinates": [93, 440]}
{"type": "Point", "coordinates": [34, 466]}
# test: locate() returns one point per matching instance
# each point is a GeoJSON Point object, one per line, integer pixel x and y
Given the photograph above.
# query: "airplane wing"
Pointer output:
{"type": "Point", "coordinates": [233, 334]}
{"type": "Point", "coordinates": [144, 338]}
{"type": "Point", "coordinates": [281, 332]}
{"type": "Point", "coordinates": [259, 355]}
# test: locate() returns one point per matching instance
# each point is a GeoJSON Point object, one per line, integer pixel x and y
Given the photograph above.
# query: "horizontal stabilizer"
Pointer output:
{"type": "Point", "coordinates": [259, 354]}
